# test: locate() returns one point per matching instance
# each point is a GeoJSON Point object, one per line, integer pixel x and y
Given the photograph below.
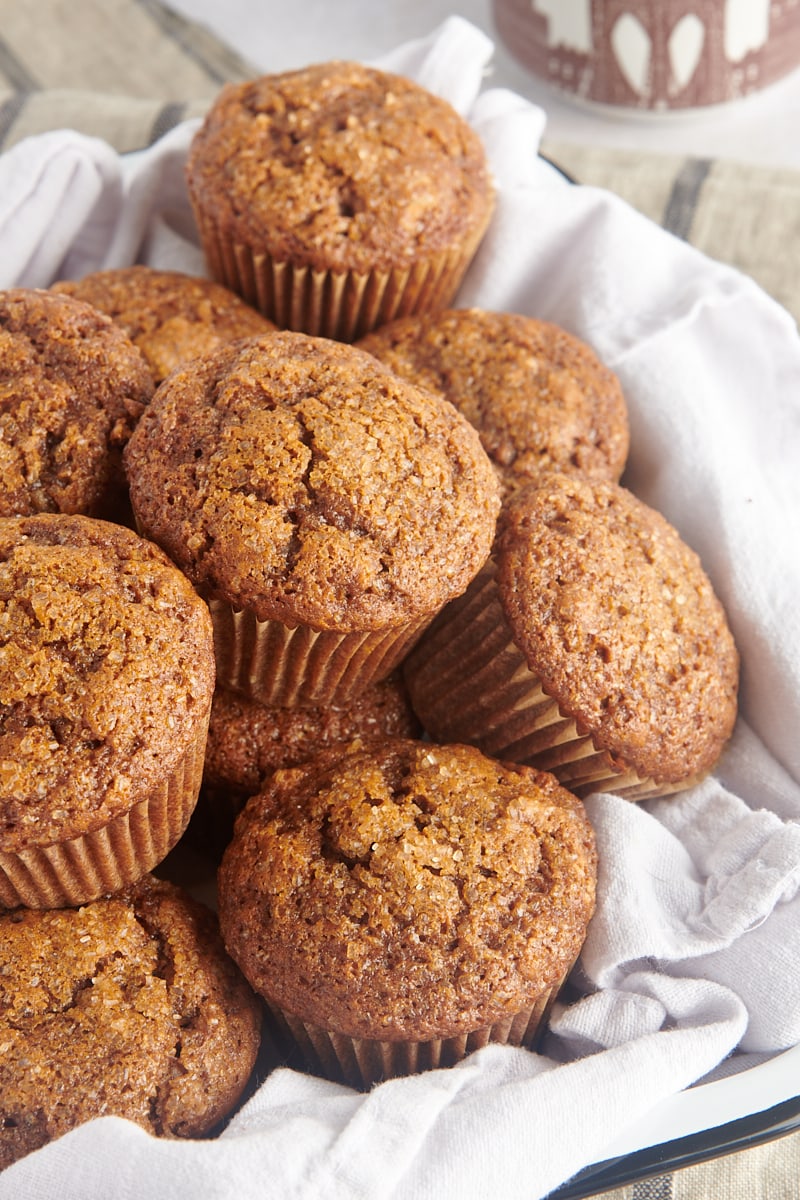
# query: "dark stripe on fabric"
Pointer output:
{"type": "Point", "coordinates": [167, 118]}
{"type": "Point", "coordinates": [10, 110]}
{"type": "Point", "coordinates": [658, 1188]}
{"type": "Point", "coordinates": [683, 200]}
{"type": "Point", "coordinates": [190, 39]}
{"type": "Point", "coordinates": [15, 71]}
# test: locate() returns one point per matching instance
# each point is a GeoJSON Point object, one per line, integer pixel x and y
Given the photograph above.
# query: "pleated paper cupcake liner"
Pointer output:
{"type": "Point", "coordinates": [343, 305]}
{"type": "Point", "coordinates": [362, 1062]}
{"type": "Point", "coordinates": [285, 667]}
{"type": "Point", "coordinates": [469, 682]}
{"type": "Point", "coordinates": [106, 860]}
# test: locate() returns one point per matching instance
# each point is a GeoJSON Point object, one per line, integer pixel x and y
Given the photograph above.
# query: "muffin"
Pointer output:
{"type": "Point", "coordinates": [247, 741]}
{"type": "Point", "coordinates": [170, 316]}
{"type": "Point", "coordinates": [337, 197]}
{"type": "Point", "coordinates": [128, 1007]}
{"type": "Point", "coordinates": [73, 386]}
{"type": "Point", "coordinates": [325, 508]}
{"type": "Point", "coordinates": [592, 646]}
{"type": "Point", "coordinates": [539, 397]}
{"type": "Point", "coordinates": [400, 904]}
{"type": "Point", "coordinates": [106, 681]}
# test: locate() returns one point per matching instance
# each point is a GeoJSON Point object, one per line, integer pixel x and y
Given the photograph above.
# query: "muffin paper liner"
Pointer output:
{"type": "Point", "coordinates": [362, 1062]}
{"type": "Point", "coordinates": [343, 305]}
{"type": "Point", "coordinates": [285, 666]}
{"type": "Point", "coordinates": [470, 682]}
{"type": "Point", "coordinates": [112, 857]}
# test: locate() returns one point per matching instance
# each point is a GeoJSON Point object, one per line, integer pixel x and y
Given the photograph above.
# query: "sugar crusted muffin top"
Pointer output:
{"type": "Point", "coordinates": [72, 386]}
{"type": "Point", "coordinates": [301, 479]}
{"type": "Point", "coordinates": [106, 668]}
{"type": "Point", "coordinates": [615, 614]}
{"type": "Point", "coordinates": [539, 397]}
{"type": "Point", "coordinates": [247, 741]}
{"type": "Point", "coordinates": [407, 890]}
{"type": "Point", "coordinates": [169, 315]}
{"type": "Point", "coordinates": [127, 1006]}
{"type": "Point", "coordinates": [340, 166]}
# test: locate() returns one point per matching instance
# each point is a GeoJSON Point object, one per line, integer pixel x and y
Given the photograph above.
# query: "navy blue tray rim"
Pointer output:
{"type": "Point", "coordinates": [741, 1134]}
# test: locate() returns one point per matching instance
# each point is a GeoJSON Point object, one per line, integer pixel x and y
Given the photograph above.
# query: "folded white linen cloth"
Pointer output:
{"type": "Point", "coordinates": [695, 947]}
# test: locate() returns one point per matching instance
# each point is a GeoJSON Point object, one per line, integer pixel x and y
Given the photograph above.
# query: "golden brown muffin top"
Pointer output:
{"type": "Point", "coordinates": [129, 1007]}
{"type": "Point", "coordinates": [616, 615]}
{"type": "Point", "coordinates": [539, 397]}
{"type": "Point", "coordinates": [72, 386]}
{"type": "Point", "coordinates": [300, 479]}
{"type": "Point", "coordinates": [247, 741]}
{"type": "Point", "coordinates": [170, 316]}
{"type": "Point", "coordinates": [340, 166]}
{"type": "Point", "coordinates": [406, 890]}
{"type": "Point", "coordinates": [106, 671]}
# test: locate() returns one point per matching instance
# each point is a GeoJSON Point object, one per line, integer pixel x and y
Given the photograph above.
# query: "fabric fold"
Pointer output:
{"type": "Point", "coordinates": [60, 202]}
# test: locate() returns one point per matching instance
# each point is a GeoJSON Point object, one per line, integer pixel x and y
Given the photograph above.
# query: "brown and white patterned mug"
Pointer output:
{"type": "Point", "coordinates": [657, 55]}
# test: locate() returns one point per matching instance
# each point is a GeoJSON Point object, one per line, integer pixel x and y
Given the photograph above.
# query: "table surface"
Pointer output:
{"type": "Point", "coordinates": [763, 128]}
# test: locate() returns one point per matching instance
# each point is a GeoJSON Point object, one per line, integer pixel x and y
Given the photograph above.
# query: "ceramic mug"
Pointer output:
{"type": "Point", "coordinates": [655, 55]}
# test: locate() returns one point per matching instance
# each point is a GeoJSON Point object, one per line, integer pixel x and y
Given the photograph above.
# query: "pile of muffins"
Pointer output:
{"type": "Point", "coordinates": [336, 583]}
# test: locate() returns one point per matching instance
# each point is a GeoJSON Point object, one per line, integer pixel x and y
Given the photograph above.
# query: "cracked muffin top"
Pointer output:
{"type": "Point", "coordinates": [616, 616]}
{"type": "Point", "coordinates": [106, 674]}
{"type": "Point", "coordinates": [72, 386]}
{"type": "Point", "coordinates": [539, 397]}
{"type": "Point", "coordinates": [169, 316]}
{"type": "Point", "coordinates": [300, 479]}
{"type": "Point", "coordinates": [407, 890]}
{"type": "Point", "coordinates": [341, 167]}
{"type": "Point", "coordinates": [247, 740]}
{"type": "Point", "coordinates": [128, 1006]}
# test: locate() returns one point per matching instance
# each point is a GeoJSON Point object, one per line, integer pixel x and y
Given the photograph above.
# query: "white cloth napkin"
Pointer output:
{"type": "Point", "coordinates": [695, 947]}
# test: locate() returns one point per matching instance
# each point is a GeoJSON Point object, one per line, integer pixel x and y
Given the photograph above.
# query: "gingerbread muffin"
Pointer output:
{"type": "Point", "coordinates": [337, 197]}
{"type": "Point", "coordinates": [72, 386]}
{"type": "Point", "coordinates": [170, 316]}
{"type": "Point", "coordinates": [401, 904]}
{"type": "Point", "coordinates": [247, 741]}
{"type": "Point", "coordinates": [128, 1007]}
{"type": "Point", "coordinates": [593, 646]}
{"type": "Point", "coordinates": [539, 397]}
{"type": "Point", "coordinates": [325, 508]}
{"type": "Point", "coordinates": [106, 681]}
